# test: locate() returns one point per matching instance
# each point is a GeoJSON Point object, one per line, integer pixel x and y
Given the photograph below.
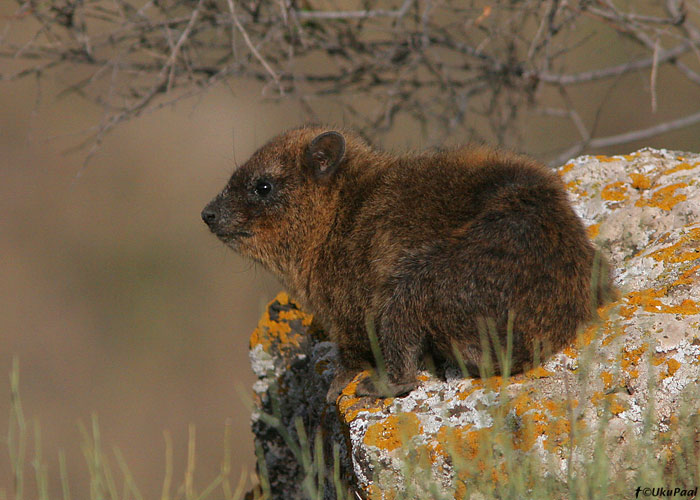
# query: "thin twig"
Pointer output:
{"type": "Point", "coordinates": [254, 50]}
{"type": "Point", "coordinates": [354, 14]}
{"type": "Point", "coordinates": [638, 135]}
{"type": "Point", "coordinates": [170, 64]}
{"type": "Point", "coordinates": [635, 135]}
{"type": "Point", "coordinates": [604, 73]}
{"type": "Point", "coordinates": [574, 116]}
{"type": "Point", "coordinates": [652, 77]}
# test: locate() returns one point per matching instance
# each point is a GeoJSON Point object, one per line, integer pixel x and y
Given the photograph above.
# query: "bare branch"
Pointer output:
{"type": "Point", "coordinates": [612, 71]}
{"type": "Point", "coordinates": [252, 48]}
{"type": "Point", "coordinates": [453, 68]}
{"type": "Point", "coordinates": [635, 135]}
{"type": "Point", "coordinates": [638, 135]}
{"type": "Point", "coordinates": [354, 14]}
{"type": "Point", "coordinates": [170, 64]}
{"type": "Point", "coordinates": [652, 78]}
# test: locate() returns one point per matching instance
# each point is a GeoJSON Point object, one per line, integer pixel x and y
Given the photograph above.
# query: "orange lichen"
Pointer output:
{"type": "Point", "coordinates": [499, 474]}
{"type": "Point", "coordinates": [605, 159]}
{"type": "Point", "coordinates": [664, 198]}
{"type": "Point", "coordinates": [557, 434]}
{"type": "Point", "coordinates": [616, 191]}
{"type": "Point", "coordinates": [538, 372]}
{"type": "Point", "coordinates": [611, 400]}
{"type": "Point", "coordinates": [616, 406]}
{"type": "Point", "coordinates": [551, 405]}
{"type": "Point", "coordinates": [278, 331]}
{"type": "Point", "coordinates": [375, 492]}
{"type": "Point", "coordinates": [681, 166]}
{"type": "Point", "coordinates": [494, 383]}
{"type": "Point", "coordinates": [464, 394]}
{"type": "Point", "coordinates": [258, 338]}
{"type": "Point", "coordinates": [460, 441]}
{"type": "Point", "coordinates": [393, 432]}
{"type": "Point", "coordinates": [640, 181]}
{"type": "Point", "coordinates": [627, 311]}
{"type": "Point", "coordinates": [461, 489]}
{"type": "Point", "coordinates": [268, 330]}
{"type": "Point", "coordinates": [593, 230]}
{"type": "Point", "coordinates": [558, 408]}
{"type": "Point", "coordinates": [534, 424]}
{"type": "Point", "coordinates": [587, 336]}
{"type": "Point", "coordinates": [686, 249]}
{"type": "Point", "coordinates": [573, 186]}
{"type": "Point", "coordinates": [647, 299]}
{"type": "Point", "coordinates": [566, 168]}
{"type": "Point", "coordinates": [686, 308]}
{"type": "Point", "coordinates": [542, 417]}
{"type": "Point", "coordinates": [570, 351]}
{"type": "Point", "coordinates": [522, 403]}
{"type": "Point", "coordinates": [293, 314]}
{"type": "Point", "coordinates": [607, 379]}
{"type": "Point", "coordinates": [609, 329]}
{"type": "Point", "coordinates": [672, 367]}
{"type": "Point", "coordinates": [630, 359]}
{"type": "Point", "coordinates": [686, 277]}
{"type": "Point", "coordinates": [538, 417]}
{"type": "Point", "coordinates": [348, 403]}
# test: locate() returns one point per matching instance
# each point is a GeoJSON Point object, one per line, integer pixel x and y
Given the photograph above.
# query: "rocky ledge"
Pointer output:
{"type": "Point", "coordinates": [632, 373]}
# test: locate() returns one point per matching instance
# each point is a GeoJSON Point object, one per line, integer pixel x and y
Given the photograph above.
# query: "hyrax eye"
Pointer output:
{"type": "Point", "coordinates": [263, 188]}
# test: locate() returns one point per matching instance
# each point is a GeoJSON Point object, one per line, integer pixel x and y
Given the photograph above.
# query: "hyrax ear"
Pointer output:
{"type": "Point", "coordinates": [325, 153]}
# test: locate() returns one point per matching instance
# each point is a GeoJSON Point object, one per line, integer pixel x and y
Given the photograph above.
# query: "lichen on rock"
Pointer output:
{"type": "Point", "coordinates": [641, 360]}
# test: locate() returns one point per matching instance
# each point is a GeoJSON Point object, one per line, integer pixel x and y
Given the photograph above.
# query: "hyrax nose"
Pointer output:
{"type": "Point", "coordinates": [209, 216]}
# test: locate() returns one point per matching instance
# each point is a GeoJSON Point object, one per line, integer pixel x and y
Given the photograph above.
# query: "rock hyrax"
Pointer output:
{"type": "Point", "coordinates": [436, 250]}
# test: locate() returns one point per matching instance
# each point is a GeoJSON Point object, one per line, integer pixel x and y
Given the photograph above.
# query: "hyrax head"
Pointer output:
{"type": "Point", "coordinates": [272, 203]}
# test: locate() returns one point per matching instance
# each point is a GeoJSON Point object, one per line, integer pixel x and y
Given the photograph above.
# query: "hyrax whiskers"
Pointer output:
{"type": "Point", "coordinates": [428, 247]}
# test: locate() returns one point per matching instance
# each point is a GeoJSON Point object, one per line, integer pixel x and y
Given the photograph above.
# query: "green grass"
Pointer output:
{"type": "Point", "coordinates": [648, 459]}
{"type": "Point", "coordinates": [651, 459]}
{"type": "Point", "coordinates": [110, 476]}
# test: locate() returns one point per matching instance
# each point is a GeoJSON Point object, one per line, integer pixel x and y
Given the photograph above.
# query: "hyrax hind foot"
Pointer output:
{"type": "Point", "coordinates": [370, 386]}
{"type": "Point", "coordinates": [341, 379]}
{"type": "Point", "coordinates": [382, 388]}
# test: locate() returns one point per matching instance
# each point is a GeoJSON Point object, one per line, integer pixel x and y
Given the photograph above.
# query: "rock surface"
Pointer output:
{"type": "Point", "coordinates": [642, 360]}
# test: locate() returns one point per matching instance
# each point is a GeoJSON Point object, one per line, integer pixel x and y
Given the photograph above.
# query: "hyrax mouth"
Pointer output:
{"type": "Point", "coordinates": [232, 237]}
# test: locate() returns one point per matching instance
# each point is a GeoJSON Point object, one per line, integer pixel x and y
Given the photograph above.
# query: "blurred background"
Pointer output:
{"type": "Point", "coordinates": [118, 302]}
{"type": "Point", "coordinates": [115, 297]}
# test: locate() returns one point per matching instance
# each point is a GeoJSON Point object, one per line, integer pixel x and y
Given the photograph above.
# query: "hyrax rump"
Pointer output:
{"type": "Point", "coordinates": [428, 248]}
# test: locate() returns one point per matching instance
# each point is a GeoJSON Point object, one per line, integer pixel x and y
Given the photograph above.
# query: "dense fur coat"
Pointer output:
{"type": "Point", "coordinates": [435, 251]}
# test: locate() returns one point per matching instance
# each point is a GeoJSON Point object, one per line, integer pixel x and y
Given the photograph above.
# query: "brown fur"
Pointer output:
{"type": "Point", "coordinates": [428, 247]}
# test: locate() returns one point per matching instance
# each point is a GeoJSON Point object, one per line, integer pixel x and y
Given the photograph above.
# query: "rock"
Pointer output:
{"type": "Point", "coordinates": [294, 363]}
{"type": "Point", "coordinates": [639, 363]}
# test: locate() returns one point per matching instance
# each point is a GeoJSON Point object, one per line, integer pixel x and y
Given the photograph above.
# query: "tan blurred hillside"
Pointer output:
{"type": "Point", "coordinates": [115, 297]}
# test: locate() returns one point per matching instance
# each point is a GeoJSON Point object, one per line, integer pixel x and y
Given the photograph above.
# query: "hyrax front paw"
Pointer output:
{"type": "Point", "coordinates": [382, 388]}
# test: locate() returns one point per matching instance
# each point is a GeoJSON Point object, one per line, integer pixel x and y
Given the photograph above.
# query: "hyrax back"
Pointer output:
{"type": "Point", "coordinates": [437, 250]}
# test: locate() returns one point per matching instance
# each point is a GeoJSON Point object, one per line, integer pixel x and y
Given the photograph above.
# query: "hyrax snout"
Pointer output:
{"type": "Point", "coordinates": [443, 253]}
